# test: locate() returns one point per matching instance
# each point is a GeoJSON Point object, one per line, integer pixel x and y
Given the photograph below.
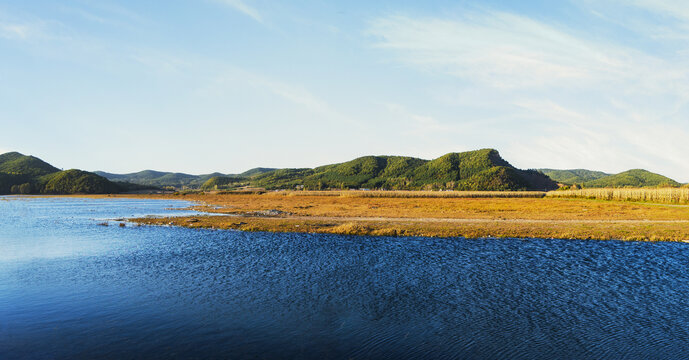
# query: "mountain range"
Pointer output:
{"type": "Point", "coordinates": [481, 169]}
{"type": "Point", "coordinates": [174, 179]}
{"type": "Point", "coordinates": [473, 170]}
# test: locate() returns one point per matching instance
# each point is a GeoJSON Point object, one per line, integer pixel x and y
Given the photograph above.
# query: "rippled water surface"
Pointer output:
{"type": "Point", "coordinates": [70, 288]}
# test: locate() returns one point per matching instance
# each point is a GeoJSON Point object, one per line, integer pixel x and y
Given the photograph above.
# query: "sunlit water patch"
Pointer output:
{"type": "Point", "coordinates": [72, 289]}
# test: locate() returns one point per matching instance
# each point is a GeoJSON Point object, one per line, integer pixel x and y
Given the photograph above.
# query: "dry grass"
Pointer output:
{"type": "Point", "coordinates": [417, 194]}
{"type": "Point", "coordinates": [461, 208]}
{"type": "Point", "coordinates": [601, 230]}
{"type": "Point", "coordinates": [549, 217]}
{"type": "Point", "coordinates": [653, 195]}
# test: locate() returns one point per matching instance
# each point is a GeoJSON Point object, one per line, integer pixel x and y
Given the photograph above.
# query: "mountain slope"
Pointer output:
{"type": "Point", "coordinates": [21, 174]}
{"type": "Point", "coordinates": [632, 178]}
{"type": "Point", "coordinates": [472, 170]}
{"type": "Point", "coordinates": [367, 172]}
{"type": "Point", "coordinates": [19, 164]}
{"type": "Point", "coordinates": [76, 181]}
{"type": "Point", "coordinates": [256, 171]}
{"type": "Point", "coordinates": [224, 183]}
{"type": "Point", "coordinates": [573, 176]}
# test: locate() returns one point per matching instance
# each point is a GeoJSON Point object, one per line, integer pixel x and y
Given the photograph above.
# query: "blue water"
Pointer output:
{"type": "Point", "coordinates": [70, 288]}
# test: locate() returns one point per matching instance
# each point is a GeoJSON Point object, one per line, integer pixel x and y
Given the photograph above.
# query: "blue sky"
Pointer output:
{"type": "Point", "coordinates": [227, 85]}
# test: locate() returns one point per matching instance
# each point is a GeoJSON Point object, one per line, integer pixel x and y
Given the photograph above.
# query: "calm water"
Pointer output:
{"type": "Point", "coordinates": [72, 289]}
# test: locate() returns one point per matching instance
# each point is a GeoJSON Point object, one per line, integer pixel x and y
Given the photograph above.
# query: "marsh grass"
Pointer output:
{"type": "Point", "coordinates": [332, 204]}
{"type": "Point", "coordinates": [652, 195]}
{"type": "Point", "coordinates": [603, 230]}
{"type": "Point", "coordinates": [402, 194]}
{"type": "Point", "coordinates": [330, 212]}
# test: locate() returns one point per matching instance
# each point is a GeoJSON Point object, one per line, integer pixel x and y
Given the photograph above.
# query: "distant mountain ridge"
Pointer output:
{"type": "Point", "coordinates": [159, 178]}
{"type": "Point", "coordinates": [174, 179]}
{"type": "Point", "coordinates": [573, 176]}
{"type": "Point", "coordinates": [598, 179]}
{"type": "Point", "coordinates": [632, 178]}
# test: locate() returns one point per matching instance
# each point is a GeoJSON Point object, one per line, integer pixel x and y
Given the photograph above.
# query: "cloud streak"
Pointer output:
{"type": "Point", "coordinates": [586, 101]}
{"type": "Point", "coordinates": [16, 31]}
{"type": "Point", "coordinates": [671, 8]}
{"type": "Point", "coordinates": [242, 7]}
{"type": "Point", "coordinates": [505, 50]}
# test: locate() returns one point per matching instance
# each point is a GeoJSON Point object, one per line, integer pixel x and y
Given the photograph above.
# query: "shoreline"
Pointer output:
{"type": "Point", "coordinates": [549, 218]}
{"type": "Point", "coordinates": [521, 218]}
{"type": "Point", "coordinates": [465, 228]}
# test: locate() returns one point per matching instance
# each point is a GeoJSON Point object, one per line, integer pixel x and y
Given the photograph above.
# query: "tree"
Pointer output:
{"type": "Point", "coordinates": [25, 188]}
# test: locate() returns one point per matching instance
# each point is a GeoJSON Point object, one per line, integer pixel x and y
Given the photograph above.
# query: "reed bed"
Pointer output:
{"type": "Point", "coordinates": [652, 195]}
{"type": "Point", "coordinates": [418, 194]}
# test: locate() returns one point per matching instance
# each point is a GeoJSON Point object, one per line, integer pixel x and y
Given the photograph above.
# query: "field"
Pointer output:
{"type": "Point", "coordinates": [653, 195]}
{"type": "Point", "coordinates": [359, 213]}
{"type": "Point", "coordinates": [418, 194]}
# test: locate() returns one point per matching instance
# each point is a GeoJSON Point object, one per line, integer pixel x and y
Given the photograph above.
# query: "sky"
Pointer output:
{"type": "Point", "coordinates": [228, 85]}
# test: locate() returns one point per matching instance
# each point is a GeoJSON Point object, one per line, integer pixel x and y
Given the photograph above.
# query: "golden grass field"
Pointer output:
{"type": "Point", "coordinates": [416, 215]}
{"type": "Point", "coordinates": [418, 194]}
{"type": "Point", "coordinates": [654, 195]}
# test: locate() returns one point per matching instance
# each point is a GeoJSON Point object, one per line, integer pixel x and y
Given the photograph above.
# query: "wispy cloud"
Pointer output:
{"type": "Point", "coordinates": [214, 78]}
{"type": "Point", "coordinates": [242, 7]}
{"type": "Point", "coordinates": [101, 17]}
{"type": "Point", "coordinates": [293, 93]}
{"type": "Point", "coordinates": [659, 20]}
{"type": "Point", "coordinates": [503, 50]}
{"type": "Point", "coordinates": [572, 98]}
{"type": "Point", "coordinates": [417, 123]}
{"type": "Point", "coordinates": [671, 8]}
{"type": "Point", "coordinates": [15, 31]}
{"type": "Point", "coordinates": [160, 62]}
{"type": "Point", "coordinates": [602, 141]}
{"type": "Point", "coordinates": [113, 12]}
{"type": "Point", "coordinates": [25, 28]}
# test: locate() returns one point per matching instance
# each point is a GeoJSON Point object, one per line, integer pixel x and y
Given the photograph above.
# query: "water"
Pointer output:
{"type": "Point", "coordinates": [70, 288]}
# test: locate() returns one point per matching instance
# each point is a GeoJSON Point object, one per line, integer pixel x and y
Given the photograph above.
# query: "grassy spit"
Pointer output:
{"type": "Point", "coordinates": [415, 215]}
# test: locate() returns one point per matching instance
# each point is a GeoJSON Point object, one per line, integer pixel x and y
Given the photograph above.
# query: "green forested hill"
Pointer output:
{"type": "Point", "coordinates": [224, 182]}
{"type": "Point", "coordinates": [22, 174]}
{"type": "Point", "coordinates": [16, 163]}
{"type": "Point", "coordinates": [632, 178]}
{"type": "Point", "coordinates": [282, 178]}
{"type": "Point", "coordinates": [471, 170]}
{"type": "Point", "coordinates": [573, 176]}
{"type": "Point", "coordinates": [76, 181]}
{"type": "Point", "coordinates": [599, 179]}
{"type": "Point", "coordinates": [256, 171]}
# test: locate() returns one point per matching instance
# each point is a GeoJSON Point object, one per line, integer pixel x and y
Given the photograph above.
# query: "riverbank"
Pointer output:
{"type": "Point", "coordinates": [434, 217]}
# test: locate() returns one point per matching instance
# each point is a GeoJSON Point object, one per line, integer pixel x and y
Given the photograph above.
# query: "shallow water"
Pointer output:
{"type": "Point", "coordinates": [72, 289]}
